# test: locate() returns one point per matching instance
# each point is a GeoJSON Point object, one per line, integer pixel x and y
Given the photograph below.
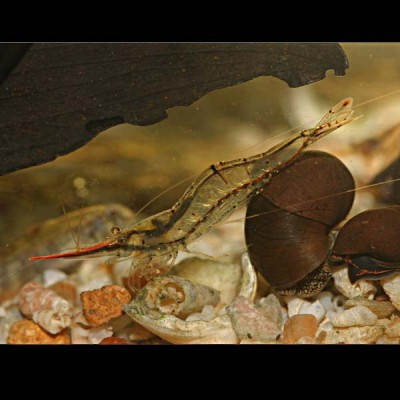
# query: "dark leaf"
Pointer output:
{"type": "Point", "coordinates": [10, 55]}
{"type": "Point", "coordinates": [61, 95]}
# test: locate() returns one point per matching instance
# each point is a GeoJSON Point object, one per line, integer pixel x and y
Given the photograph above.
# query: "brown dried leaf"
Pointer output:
{"type": "Point", "coordinates": [61, 95]}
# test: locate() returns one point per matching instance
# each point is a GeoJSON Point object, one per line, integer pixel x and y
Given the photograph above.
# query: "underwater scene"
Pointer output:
{"type": "Point", "coordinates": [200, 194]}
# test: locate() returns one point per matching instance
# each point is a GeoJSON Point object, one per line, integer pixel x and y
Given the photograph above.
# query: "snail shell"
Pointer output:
{"type": "Point", "coordinates": [215, 328]}
{"type": "Point", "coordinates": [370, 244]}
{"type": "Point", "coordinates": [381, 309]}
{"type": "Point", "coordinates": [355, 316]}
{"type": "Point", "coordinates": [287, 224]}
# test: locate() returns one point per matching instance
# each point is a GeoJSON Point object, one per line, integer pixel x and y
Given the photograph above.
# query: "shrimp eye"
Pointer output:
{"type": "Point", "coordinates": [115, 230]}
{"type": "Point", "coordinates": [121, 240]}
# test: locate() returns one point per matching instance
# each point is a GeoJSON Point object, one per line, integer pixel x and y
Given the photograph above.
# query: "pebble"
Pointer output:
{"type": "Point", "coordinates": [100, 305]}
{"type": "Point", "coordinates": [113, 340]}
{"type": "Point", "coordinates": [28, 332]}
{"type": "Point", "coordinates": [299, 326]}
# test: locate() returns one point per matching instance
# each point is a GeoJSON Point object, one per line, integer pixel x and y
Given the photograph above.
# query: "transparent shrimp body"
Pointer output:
{"type": "Point", "coordinates": [154, 242]}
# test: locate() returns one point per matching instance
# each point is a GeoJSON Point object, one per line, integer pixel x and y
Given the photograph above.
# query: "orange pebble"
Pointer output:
{"type": "Point", "coordinates": [113, 340]}
{"type": "Point", "coordinates": [100, 305]}
{"type": "Point", "coordinates": [299, 326]}
{"type": "Point", "coordinates": [28, 332]}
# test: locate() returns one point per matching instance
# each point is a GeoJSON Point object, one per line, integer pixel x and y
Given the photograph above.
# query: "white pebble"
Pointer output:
{"type": "Point", "coordinates": [391, 286]}
{"type": "Point", "coordinates": [52, 276]}
{"type": "Point", "coordinates": [83, 333]}
{"type": "Point", "coordinates": [293, 305]}
{"type": "Point", "coordinates": [300, 306]}
{"type": "Point", "coordinates": [326, 299]}
{"type": "Point", "coordinates": [272, 309]}
{"type": "Point", "coordinates": [315, 308]}
{"type": "Point", "coordinates": [344, 286]}
{"type": "Point", "coordinates": [207, 314]}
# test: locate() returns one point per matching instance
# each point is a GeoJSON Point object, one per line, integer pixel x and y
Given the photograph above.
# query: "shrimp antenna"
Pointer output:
{"type": "Point", "coordinates": [67, 220]}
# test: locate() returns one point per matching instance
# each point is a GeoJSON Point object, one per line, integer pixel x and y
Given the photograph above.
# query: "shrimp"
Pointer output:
{"type": "Point", "coordinates": [154, 242]}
